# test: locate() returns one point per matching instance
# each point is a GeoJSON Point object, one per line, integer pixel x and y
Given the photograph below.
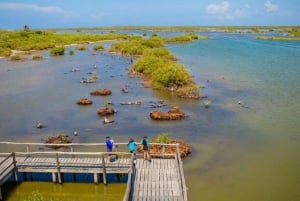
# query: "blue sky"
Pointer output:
{"type": "Point", "coordinates": [38, 14]}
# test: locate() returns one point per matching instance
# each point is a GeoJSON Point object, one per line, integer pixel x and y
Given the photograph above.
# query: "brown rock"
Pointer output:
{"type": "Point", "coordinates": [84, 101]}
{"type": "Point", "coordinates": [184, 149]}
{"type": "Point", "coordinates": [101, 92]}
{"type": "Point", "coordinates": [106, 111]}
{"type": "Point", "coordinates": [60, 139]}
{"type": "Point", "coordinates": [173, 114]}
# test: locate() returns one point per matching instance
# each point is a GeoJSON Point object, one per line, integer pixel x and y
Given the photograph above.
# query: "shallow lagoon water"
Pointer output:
{"type": "Point", "coordinates": [247, 151]}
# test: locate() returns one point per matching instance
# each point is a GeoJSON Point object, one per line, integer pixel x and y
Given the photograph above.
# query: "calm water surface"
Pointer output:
{"type": "Point", "coordinates": [248, 151]}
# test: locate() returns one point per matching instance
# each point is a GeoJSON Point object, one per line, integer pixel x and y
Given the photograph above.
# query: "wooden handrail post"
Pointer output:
{"type": "Point", "coordinates": [164, 150]}
{"type": "Point", "coordinates": [104, 169]}
{"type": "Point", "coordinates": [58, 169]}
{"type": "Point", "coordinates": [15, 167]}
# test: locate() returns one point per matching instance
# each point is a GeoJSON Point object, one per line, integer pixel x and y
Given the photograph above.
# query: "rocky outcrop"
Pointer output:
{"type": "Point", "coordinates": [101, 92]}
{"type": "Point", "coordinates": [173, 114]}
{"type": "Point", "coordinates": [106, 111]}
{"type": "Point", "coordinates": [84, 101]}
{"type": "Point", "coordinates": [156, 150]}
{"type": "Point", "coordinates": [59, 139]}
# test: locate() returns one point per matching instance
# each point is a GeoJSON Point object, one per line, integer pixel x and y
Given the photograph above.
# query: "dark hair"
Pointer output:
{"type": "Point", "coordinates": [145, 136]}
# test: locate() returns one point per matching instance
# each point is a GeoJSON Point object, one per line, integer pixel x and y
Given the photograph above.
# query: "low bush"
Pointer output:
{"type": "Point", "coordinates": [56, 51]}
{"type": "Point", "coordinates": [37, 57]}
{"type": "Point", "coordinates": [16, 57]}
{"type": "Point", "coordinates": [81, 47]}
{"type": "Point", "coordinates": [98, 47]}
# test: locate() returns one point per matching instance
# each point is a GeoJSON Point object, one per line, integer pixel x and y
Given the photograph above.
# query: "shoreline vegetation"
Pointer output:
{"type": "Point", "coordinates": [150, 59]}
{"type": "Point", "coordinates": [153, 61]}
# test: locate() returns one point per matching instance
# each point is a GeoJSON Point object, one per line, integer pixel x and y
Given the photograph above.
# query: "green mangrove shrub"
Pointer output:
{"type": "Point", "coordinates": [17, 57]}
{"type": "Point", "coordinates": [37, 57]}
{"type": "Point", "coordinates": [81, 47]}
{"type": "Point", "coordinates": [56, 51]}
{"type": "Point", "coordinates": [162, 138]}
{"type": "Point", "coordinates": [98, 47]}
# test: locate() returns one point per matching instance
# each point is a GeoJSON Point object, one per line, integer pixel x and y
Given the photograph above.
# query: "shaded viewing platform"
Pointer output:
{"type": "Point", "coordinates": [160, 179]}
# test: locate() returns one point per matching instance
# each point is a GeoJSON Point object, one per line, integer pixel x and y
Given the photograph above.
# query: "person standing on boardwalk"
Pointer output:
{"type": "Point", "coordinates": [131, 145]}
{"type": "Point", "coordinates": [146, 148]}
{"type": "Point", "coordinates": [109, 146]}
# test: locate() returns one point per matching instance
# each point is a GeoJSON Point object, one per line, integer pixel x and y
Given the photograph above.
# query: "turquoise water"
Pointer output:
{"type": "Point", "coordinates": [248, 151]}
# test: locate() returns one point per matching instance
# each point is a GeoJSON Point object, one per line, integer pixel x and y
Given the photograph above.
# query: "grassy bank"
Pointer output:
{"type": "Point", "coordinates": [41, 40]}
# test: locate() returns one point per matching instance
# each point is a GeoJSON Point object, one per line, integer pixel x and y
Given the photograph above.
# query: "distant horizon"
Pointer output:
{"type": "Point", "coordinates": [53, 14]}
{"type": "Point", "coordinates": [141, 27]}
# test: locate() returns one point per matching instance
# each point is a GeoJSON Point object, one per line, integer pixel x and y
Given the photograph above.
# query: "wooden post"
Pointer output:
{"type": "Point", "coordinates": [58, 169]}
{"type": "Point", "coordinates": [164, 150]}
{"type": "Point", "coordinates": [1, 198]}
{"type": "Point", "coordinates": [104, 170]}
{"type": "Point", "coordinates": [53, 177]}
{"type": "Point", "coordinates": [95, 178]}
{"type": "Point", "coordinates": [177, 149]}
{"type": "Point", "coordinates": [15, 167]}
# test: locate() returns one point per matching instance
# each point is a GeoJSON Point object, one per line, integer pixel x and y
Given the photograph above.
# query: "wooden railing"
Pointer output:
{"type": "Point", "coordinates": [180, 172]}
{"type": "Point", "coordinates": [130, 181]}
{"type": "Point", "coordinates": [7, 165]}
{"type": "Point", "coordinates": [163, 154]}
{"type": "Point", "coordinates": [32, 150]}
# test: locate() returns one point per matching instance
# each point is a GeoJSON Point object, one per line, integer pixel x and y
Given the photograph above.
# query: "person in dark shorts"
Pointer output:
{"type": "Point", "coordinates": [146, 148]}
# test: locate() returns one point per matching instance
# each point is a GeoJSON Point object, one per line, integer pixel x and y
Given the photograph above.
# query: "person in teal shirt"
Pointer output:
{"type": "Point", "coordinates": [131, 145]}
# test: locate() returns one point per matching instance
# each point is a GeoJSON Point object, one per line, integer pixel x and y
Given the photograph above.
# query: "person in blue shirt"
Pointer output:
{"type": "Point", "coordinates": [131, 145]}
{"type": "Point", "coordinates": [109, 146]}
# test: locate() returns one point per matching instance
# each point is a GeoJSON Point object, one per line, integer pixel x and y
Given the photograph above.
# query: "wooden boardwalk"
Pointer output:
{"type": "Point", "coordinates": [162, 179]}
{"type": "Point", "coordinates": [158, 180]}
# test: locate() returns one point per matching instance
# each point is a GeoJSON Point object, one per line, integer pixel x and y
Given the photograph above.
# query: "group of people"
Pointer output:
{"type": "Point", "coordinates": [131, 146]}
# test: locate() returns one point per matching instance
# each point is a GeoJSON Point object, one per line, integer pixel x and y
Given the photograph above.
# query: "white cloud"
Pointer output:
{"type": "Point", "coordinates": [240, 12]}
{"type": "Point", "coordinates": [32, 7]}
{"type": "Point", "coordinates": [271, 7]}
{"type": "Point", "coordinates": [220, 8]}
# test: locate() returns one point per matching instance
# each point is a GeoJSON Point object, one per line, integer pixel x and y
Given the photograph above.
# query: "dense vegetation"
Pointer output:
{"type": "Point", "coordinates": [136, 45]}
{"type": "Point", "coordinates": [277, 38]}
{"type": "Point", "coordinates": [184, 38]}
{"type": "Point", "coordinates": [154, 60]}
{"type": "Point", "coordinates": [157, 63]}
{"type": "Point", "coordinates": [189, 29]}
{"type": "Point", "coordinates": [41, 40]}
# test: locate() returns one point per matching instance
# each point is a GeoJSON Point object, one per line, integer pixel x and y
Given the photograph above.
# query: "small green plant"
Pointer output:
{"type": "Point", "coordinates": [71, 52]}
{"type": "Point", "coordinates": [98, 47]}
{"type": "Point", "coordinates": [16, 57]}
{"type": "Point", "coordinates": [162, 138]}
{"type": "Point", "coordinates": [37, 57]}
{"type": "Point", "coordinates": [207, 103]}
{"type": "Point", "coordinates": [106, 105]}
{"type": "Point", "coordinates": [81, 47]}
{"type": "Point", "coordinates": [56, 51]}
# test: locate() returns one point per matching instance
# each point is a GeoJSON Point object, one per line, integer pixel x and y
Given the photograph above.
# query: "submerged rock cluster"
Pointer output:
{"type": "Point", "coordinates": [173, 114]}
{"type": "Point", "coordinates": [157, 150]}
